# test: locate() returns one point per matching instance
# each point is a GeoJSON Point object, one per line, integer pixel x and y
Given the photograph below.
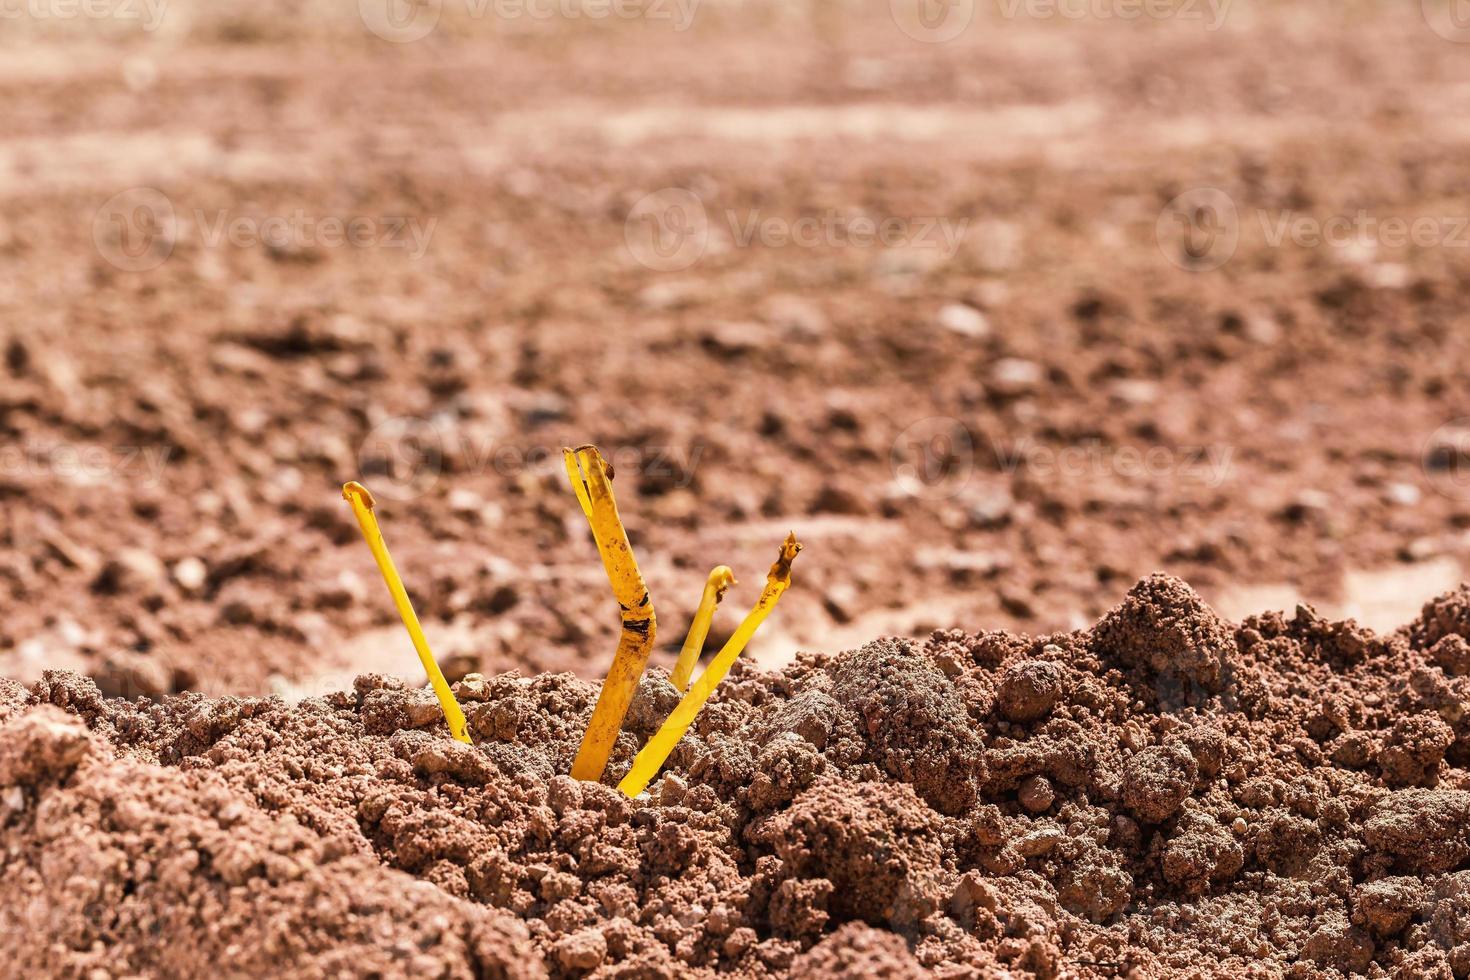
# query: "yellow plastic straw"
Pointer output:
{"type": "Point", "coordinates": [591, 478]}
{"type": "Point", "coordinates": [720, 579]}
{"type": "Point", "coordinates": [657, 749]}
{"type": "Point", "coordinates": [362, 505]}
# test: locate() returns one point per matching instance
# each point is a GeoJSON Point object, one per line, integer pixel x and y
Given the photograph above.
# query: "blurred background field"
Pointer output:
{"type": "Point", "coordinates": [1000, 306]}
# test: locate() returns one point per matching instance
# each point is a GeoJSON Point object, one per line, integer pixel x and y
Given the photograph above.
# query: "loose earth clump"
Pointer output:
{"type": "Point", "coordinates": [1165, 793]}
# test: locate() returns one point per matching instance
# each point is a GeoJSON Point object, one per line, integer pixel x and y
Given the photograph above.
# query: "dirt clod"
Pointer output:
{"type": "Point", "coordinates": [1029, 689]}
{"type": "Point", "coordinates": [914, 719]}
{"type": "Point", "coordinates": [1157, 780]}
{"type": "Point", "coordinates": [1164, 627]}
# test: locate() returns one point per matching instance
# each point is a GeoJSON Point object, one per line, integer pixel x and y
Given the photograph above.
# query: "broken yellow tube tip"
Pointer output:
{"type": "Point", "coordinates": [591, 479]}
{"type": "Point", "coordinates": [363, 507]}
{"type": "Point", "coordinates": [651, 759]}
{"type": "Point", "coordinates": [719, 581]}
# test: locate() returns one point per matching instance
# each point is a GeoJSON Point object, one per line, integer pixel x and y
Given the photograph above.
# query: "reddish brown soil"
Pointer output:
{"type": "Point", "coordinates": [1160, 795]}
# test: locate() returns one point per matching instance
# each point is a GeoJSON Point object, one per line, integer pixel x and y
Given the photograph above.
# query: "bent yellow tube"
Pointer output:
{"type": "Point", "coordinates": [651, 759]}
{"type": "Point", "coordinates": [362, 505]}
{"type": "Point", "coordinates": [720, 579]}
{"type": "Point", "coordinates": [591, 478]}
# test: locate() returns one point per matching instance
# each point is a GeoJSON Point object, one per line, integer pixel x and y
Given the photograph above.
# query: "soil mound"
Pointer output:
{"type": "Point", "coordinates": [1165, 792]}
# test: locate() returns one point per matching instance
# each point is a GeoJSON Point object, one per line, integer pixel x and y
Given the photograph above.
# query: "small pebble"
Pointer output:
{"type": "Point", "coordinates": [1013, 376]}
{"type": "Point", "coordinates": [130, 571]}
{"type": "Point", "coordinates": [463, 501]}
{"type": "Point", "coordinates": [1402, 494]}
{"type": "Point", "coordinates": [1039, 842]}
{"type": "Point", "coordinates": [964, 320]}
{"type": "Point", "coordinates": [190, 574]}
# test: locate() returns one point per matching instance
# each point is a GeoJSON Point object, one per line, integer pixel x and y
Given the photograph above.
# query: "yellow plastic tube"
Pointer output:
{"type": "Point", "coordinates": [720, 579]}
{"type": "Point", "coordinates": [651, 759]}
{"type": "Point", "coordinates": [362, 505]}
{"type": "Point", "coordinates": [591, 478]}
